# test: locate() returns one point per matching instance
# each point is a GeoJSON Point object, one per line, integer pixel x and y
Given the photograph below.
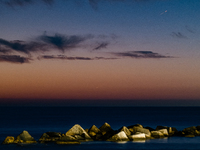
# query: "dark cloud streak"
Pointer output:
{"type": "Point", "coordinates": [140, 54]}
{"type": "Point", "coordinates": [20, 46]}
{"type": "Point", "coordinates": [63, 42]}
{"type": "Point", "coordinates": [14, 59]}
{"type": "Point", "coordinates": [63, 57]}
{"type": "Point", "coordinates": [178, 35]}
{"type": "Point", "coordinates": [102, 45]}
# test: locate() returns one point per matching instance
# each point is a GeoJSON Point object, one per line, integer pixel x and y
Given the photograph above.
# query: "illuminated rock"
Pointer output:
{"type": "Point", "coordinates": [9, 140]}
{"type": "Point", "coordinates": [24, 137]}
{"type": "Point", "coordinates": [121, 136]}
{"type": "Point", "coordinates": [78, 132]}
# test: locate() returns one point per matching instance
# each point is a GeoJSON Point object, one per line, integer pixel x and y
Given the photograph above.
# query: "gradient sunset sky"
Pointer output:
{"type": "Point", "coordinates": [100, 50]}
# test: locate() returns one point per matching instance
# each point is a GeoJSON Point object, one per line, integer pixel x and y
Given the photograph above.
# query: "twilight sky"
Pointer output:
{"type": "Point", "coordinates": [100, 50]}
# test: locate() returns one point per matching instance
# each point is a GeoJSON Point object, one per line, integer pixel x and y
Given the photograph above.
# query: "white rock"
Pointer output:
{"type": "Point", "coordinates": [164, 132]}
{"type": "Point", "coordinates": [138, 136]}
{"type": "Point", "coordinates": [121, 136]}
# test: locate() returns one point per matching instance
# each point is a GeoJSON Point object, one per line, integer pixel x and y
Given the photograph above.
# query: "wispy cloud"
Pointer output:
{"type": "Point", "coordinates": [178, 35]}
{"type": "Point", "coordinates": [63, 57]}
{"type": "Point", "coordinates": [102, 45]}
{"type": "Point", "coordinates": [20, 46]}
{"type": "Point", "coordinates": [14, 59]}
{"type": "Point", "coordinates": [140, 54]}
{"type": "Point", "coordinates": [190, 29]}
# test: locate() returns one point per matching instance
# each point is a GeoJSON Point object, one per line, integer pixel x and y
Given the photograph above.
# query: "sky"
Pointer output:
{"type": "Point", "coordinates": [100, 52]}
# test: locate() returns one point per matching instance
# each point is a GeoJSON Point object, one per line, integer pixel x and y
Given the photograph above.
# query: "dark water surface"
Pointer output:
{"type": "Point", "coordinates": [37, 120]}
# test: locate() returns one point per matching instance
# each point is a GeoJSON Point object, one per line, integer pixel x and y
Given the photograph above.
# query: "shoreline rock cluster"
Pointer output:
{"type": "Point", "coordinates": [77, 134]}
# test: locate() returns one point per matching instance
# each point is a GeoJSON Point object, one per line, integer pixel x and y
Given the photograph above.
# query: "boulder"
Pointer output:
{"type": "Point", "coordinates": [190, 132]}
{"type": "Point", "coordinates": [50, 137]}
{"type": "Point", "coordinates": [157, 134]}
{"type": "Point", "coordinates": [136, 129]}
{"type": "Point", "coordinates": [164, 132]}
{"type": "Point", "coordinates": [171, 130]}
{"type": "Point", "coordinates": [105, 128]}
{"type": "Point", "coordinates": [24, 137]}
{"type": "Point", "coordinates": [126, 130]}
{"type": "Point", "coordinates": [198, 128]}
{"type": "Point", "coordinates": [106, 131]}
{"type": "Point", "coordinates": [137, 137]}
{"type": "Point", "coordinates": [95, 133]}
{"type": "Point", "coordinates": [79, 133]}
{"type": "Point", "coordinates": [9, 140]}
{"type": "Point", "coordinates": [121, 136]}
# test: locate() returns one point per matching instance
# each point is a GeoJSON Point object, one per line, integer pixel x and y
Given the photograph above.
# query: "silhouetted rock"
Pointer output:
{"type": "Point", "coordinates": [95, 133]}
{"type": "Point", "coordinates": [50, 137]}
{"type": "Point", "coordinates": [79, 133]}
{"type": "Point", "coordinates": [150, 128]}
{"type": "Point", "coordinates": [136, 125]}
{"type": "Point", "coordinates": [190, 132]}
{"type": "Point", "coordinates": [121, 136]}
{"type": "Point", "coordinates": [24, 137]}
{"type": "Point", "coordinates": [9, 140]}
{"type": "Point", "coordinates": [106, 131]}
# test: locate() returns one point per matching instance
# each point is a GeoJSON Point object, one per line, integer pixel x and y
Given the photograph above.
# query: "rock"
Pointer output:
{"type": "Point", "coordinates": [95, 133]}
{"type": "Point", "coordinates": [136, 129]}
{"type": "Point", "coordinates": [68, 139]}
{"type": "Point", "coordinates": [149, 128]}
{"type": "Point", "coordinates": [157, 134]}
{"type": "Point", "coordinates": [171, 130]}
{"type": "Point", "coordinates": [164, 132]}
{"type": "Point", "coordinates": [9, 140]}
{"type": "Point", "coordinates": [126, 130]}
{"type": "Point", "coordinates": [121, 136]}
{"type": "Point", "coordinates": [198, 128]}
{"type": "Point", "coordinates": [106, 131]}
{"type": "Point", "coordinates": [78, 132]}
{"type": "Point", "coordinates": [105, 128]}
{"type": "Point", "coordinates": [138, 137]}
{"type": "Point", "coordinates": [190, 132]}
{"type": "Point", "coordinates": [24, 137]}
{"type": "Point", "coordinates": [50, 137]}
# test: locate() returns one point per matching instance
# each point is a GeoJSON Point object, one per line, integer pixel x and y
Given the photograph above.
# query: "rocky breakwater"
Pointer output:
{"type": "Point", "coordinates": [77, 134]}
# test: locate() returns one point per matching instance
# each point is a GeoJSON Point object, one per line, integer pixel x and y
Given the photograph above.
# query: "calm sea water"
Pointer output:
{"type": "Point", "coordinates": [37, 120]}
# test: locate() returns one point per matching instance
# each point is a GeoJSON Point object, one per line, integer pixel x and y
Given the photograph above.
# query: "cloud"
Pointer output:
{"type": "Point", "coordinates": [178, 35]}
{"type": "Point", "coordinates": [63, 42]}
{"type": "Point", "coordinates": [101, 46]}
{"type": "Point", "coordinates": [14, 3]}
{"type": "Point", "coordinates": [14, 59]}
{"type": "Point", "coordinates": [140, 54]}
{"type": "Point", "coordinates": [190, 29]}
{"type": "Point", "coordinates": [20, 46]}
{"type": "Point", "coordinates": [63, 57]}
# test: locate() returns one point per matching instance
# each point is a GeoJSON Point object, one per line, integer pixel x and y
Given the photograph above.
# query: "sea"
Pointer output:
{"type": "Point", "coordinates": [38, 120]}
